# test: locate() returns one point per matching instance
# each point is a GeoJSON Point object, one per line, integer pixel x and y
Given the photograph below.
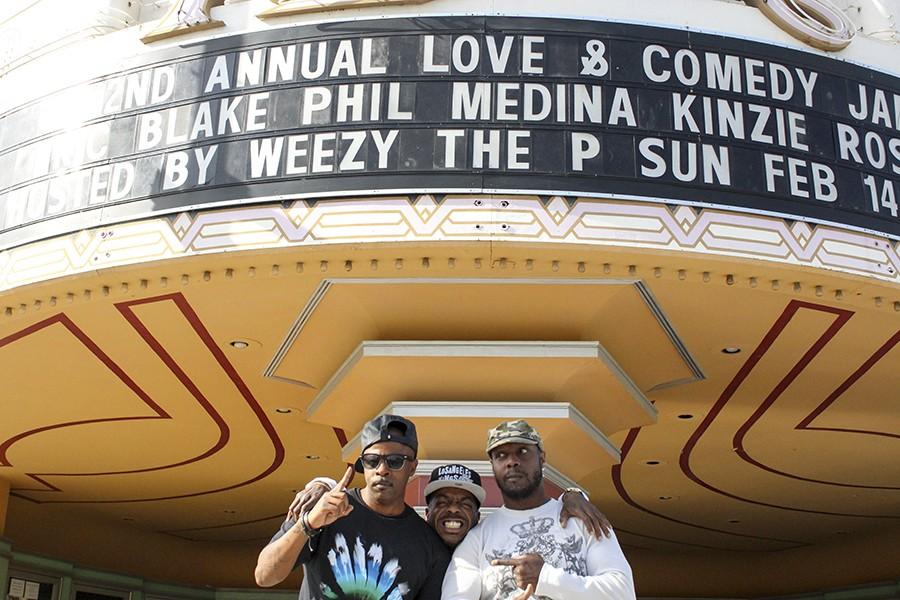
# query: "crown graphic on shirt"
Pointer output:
{"type": "Point", "coordinates": [533, 527]}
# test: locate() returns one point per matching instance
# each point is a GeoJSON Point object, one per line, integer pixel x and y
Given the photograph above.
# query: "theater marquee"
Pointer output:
{"type": "Point", "coordinates": [518, 105]}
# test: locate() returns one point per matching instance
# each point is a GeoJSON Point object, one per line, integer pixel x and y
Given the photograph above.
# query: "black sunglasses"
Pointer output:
{"type": "Point", "coordinates": [393, 461]}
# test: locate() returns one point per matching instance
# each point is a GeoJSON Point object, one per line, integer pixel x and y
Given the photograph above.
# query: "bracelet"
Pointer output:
{"type": "Point", "coordinates": [579, 491]}
{"type": "Point", "coordinates": [307, 528]}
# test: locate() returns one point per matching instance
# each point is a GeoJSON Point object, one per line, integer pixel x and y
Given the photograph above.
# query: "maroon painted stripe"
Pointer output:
{"type": "Point", "coordinates": [623, 493]}
{"type": "Point", "coordinates": [848, 383]}
{"type": "Point", "coordinates": [841, 317]}
{"type": "Point", "coordinates": [65, 321]}
{"type": "Point", "coordinates": [190, 315]}
{"type": "Point", "coordinates": [341, 436]}
{"type": "Point", "coordinates": [803, 425]}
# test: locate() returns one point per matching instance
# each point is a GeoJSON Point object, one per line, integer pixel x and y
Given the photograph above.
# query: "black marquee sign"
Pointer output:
{"type": "Point", "coordinates": [464, 104]}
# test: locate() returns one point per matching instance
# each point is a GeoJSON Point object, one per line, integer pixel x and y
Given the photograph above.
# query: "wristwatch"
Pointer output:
{"type": "Point", "coordinates": [579, 491]}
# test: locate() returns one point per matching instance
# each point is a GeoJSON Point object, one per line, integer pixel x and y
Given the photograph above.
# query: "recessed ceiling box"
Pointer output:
{"type": "Point", "coordinates": [580, 374]}
{"type": "Point", "coordinates": [454, 431]}
{"type": "Point", "coordinates": [342, 313]}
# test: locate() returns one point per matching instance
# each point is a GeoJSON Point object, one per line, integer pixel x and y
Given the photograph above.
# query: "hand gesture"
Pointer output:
{"type": "Point", "coordinates": [306, 499]}
{"type": "Point", "coordinates": [332, 505]}
{"type": "Point", "coordinates": [526, 569]}
{"type": "Point", "coordinates": [574, 505]}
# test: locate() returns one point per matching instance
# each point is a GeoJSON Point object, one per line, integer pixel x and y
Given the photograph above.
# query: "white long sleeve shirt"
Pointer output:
{"type": "Point", "coordinates": [577, 566]}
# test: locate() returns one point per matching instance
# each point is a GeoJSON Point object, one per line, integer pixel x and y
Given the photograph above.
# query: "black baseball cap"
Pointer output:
{"type": "Point", "coordinates": [389, 428]}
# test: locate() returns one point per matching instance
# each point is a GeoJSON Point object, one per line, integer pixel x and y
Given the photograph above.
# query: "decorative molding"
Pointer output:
{"type": "Point", "coordinates": [562, 411]}
{"type": "Point", "coordinates": [817, 23]}
{"type": "Point", "coordinates": [420, 219]}
{"type": "Point", "coordinates": [185, 16]}
{"type": "Point", "coordinates": [483, 468]}
{"type": "Point", "coordinates": [285, 8]}
{"type": "Point", "coordinates": [509, 350]}
{"type": "Point", "coordinates": [319, 295]}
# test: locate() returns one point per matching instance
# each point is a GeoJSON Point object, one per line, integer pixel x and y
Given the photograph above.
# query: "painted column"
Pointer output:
{"type": "Point", "coordinates": [4, 503]}
{"type": "Point", "coordinates": [65, 588]}
{"type": "Point", "coordinates": [5, 552]}
{"type": "Point", "coordinates": [5, 547]}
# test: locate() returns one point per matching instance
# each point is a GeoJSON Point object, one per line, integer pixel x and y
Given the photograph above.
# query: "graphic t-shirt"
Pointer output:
{"type": "Point", "coordinates": [368, 556]}
{"type": "Point", "coordinates": [576, 565]}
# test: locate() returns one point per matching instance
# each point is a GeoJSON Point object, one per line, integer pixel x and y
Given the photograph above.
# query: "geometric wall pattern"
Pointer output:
{"type": "Point", "coordinates": [425, 218]}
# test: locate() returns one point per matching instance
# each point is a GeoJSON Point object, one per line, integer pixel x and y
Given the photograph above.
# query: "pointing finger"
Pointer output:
{"type": "Point", "coordinates": [506, 562]}
{"type": "Point", "coordinates": [346, 479]}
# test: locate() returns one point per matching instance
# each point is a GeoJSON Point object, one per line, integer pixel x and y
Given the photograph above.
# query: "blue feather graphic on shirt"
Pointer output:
{"type": "Point", "coordinates": [359, 574]}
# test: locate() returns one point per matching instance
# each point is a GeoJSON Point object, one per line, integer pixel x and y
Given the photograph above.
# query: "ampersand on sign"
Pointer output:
{"type": "Point", "coordinates": [595, 62]}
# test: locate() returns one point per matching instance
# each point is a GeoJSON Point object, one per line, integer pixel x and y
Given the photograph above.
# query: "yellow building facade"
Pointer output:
{"type": "Point", "coordinates": [665, 233]}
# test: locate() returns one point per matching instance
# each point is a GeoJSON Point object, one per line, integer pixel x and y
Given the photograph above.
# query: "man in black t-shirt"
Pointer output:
{"type": "Point", "coordinates": [364, 544]}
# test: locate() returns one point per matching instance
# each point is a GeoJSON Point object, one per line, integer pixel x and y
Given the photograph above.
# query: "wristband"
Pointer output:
{"type": "Point", "coordinates": [307, 528]}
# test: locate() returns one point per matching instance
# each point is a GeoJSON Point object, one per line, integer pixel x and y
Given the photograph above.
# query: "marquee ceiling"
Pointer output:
{"type": "Point", "coordinates": [757, 428]}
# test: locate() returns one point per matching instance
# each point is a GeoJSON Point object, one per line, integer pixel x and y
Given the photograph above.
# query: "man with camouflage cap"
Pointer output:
{"type": "Point", "coordinates": [522, 549]}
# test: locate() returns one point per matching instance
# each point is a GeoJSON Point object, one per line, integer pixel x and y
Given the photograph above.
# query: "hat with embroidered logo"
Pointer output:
{"type": "Point", "coordinates": [457, 476]}
{"type": "Point", "coordinates": [513, 432]}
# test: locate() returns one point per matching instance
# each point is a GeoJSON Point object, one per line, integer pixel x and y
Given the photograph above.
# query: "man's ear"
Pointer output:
{"type": "Point", "coordinates": [477, 517]}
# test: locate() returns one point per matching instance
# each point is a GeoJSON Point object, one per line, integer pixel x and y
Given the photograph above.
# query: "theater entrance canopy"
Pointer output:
{"type": "Point", "coordinates": [666, 237]}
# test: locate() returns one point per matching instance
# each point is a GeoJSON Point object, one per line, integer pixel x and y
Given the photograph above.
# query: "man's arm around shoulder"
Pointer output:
{"type": "Point", "coordinates": [463, 578]}
{"type": "Point", "coordinates": [431, 589]}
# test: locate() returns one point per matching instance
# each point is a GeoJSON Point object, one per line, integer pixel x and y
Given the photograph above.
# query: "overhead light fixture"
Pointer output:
{"type": "Point", "coordinates": [730, 350]}
{"type": "Point", "coordinates": [239, 344]}
{"type": "Point", "coordinates": [652, 463]}
{"type": "Point", "coordinates": [284, 410]}
{"type": "Point", "coordinates": [685, 416]}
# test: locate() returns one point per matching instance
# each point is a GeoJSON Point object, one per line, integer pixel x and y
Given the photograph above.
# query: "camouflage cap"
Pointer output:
{"type": "Point", "coordinates": [513, 432]}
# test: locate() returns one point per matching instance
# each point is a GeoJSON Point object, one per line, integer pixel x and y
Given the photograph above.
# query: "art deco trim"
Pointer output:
{"type": "Point", "coordinates": [459, 218]}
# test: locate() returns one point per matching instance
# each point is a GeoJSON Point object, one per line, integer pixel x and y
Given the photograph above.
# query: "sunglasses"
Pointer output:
{"type": "Point", "coordinates": [393, 461]}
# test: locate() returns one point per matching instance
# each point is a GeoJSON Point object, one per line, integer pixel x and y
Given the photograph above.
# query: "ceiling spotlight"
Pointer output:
{"type": "Point", "coordinates": [230, 511]}
{"type": "Point", "coordinates": [652, 463]}
{"type": "Point", "coordinates": [730, 350]}
{"type": "Point", "coordinates": [284, 411]}
{"type": "Point", "coordinates": [666, 497]}
{"type": "Point", "coordinates": [685, 416]}
{"type": "Point", "coordinates": [239, 344]}
{"type": "Point", "coordinates": [312, 457]}
{"type": "Point", "coordinates": [734, 520]}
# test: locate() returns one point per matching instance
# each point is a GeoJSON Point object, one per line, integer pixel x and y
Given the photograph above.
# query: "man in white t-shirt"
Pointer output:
{"type": "Point", "coordinates": [521, 549]}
